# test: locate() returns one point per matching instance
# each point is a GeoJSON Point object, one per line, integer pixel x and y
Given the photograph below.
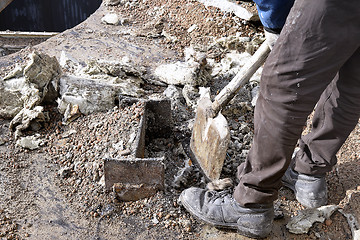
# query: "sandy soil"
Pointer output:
{"type": "Point", "coordinates": [56, 192]}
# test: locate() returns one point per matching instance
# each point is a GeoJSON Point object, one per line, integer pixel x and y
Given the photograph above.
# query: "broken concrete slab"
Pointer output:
{"type": "Point", "coordinates": [192, 71]}
{"type": "Point", "coordinates": [9, 109]}
{"type": "Point", "coordinates": [27, 86]}
{"type": "Point", "coordinates": [30, 142]}
{"type": "Point", "coordinates": [179, 73]}
{"type": "Point", "coordinates": [24, 88]}
{"type": "Point", "coordinates": [42, 70]}
{"type": "Point", "coordinates": [230, 7]}
{"type": "Point", "coordinates": [24, 119]}
{"type": "Point", "coordinates": [301, 223]}
{"type": "Point", "coordinates": [114, 71]}
{"type": "Point", "coordinates": [189, 72]}
{"type": "Point", "coordinates": [91, 95]}
{"type": "Point", "coordinates": [96, 86]}
{"type": "Point", "coordinates": [88, 94]}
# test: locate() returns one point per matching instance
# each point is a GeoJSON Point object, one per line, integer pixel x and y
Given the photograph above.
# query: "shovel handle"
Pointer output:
{"type": "Point", "coordinates": [242, 77]}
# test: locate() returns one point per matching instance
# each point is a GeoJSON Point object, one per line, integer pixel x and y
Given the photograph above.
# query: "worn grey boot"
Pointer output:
{"type": "Point", "coordinates": [310, 191]}
{"type": "Point", "coordinates": [220, 209]}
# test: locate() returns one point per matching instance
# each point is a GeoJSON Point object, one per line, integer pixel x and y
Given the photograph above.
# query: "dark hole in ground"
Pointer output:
{"type": "Point", "coordinates": [46, 15]}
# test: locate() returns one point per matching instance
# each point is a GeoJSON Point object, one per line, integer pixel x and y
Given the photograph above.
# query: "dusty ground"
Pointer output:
{"type": "Point", "coordinates": [56, 192]}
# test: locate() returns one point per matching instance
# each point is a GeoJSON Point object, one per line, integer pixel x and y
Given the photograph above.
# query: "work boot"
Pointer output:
{"type": "Point", "coordinates": [220, 209]}
{"type": "Point", "coordinates": [310, 191]}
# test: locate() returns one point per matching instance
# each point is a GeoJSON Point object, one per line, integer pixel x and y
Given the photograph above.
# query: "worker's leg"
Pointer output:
{"type": "Point", "coordinates": [317, 40]}
{"type": "Point", "coordinates": [336, 115]}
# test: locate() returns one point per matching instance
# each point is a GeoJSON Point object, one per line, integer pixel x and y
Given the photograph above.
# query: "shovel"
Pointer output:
{"type": "Point", "coordinates": [211, 135]}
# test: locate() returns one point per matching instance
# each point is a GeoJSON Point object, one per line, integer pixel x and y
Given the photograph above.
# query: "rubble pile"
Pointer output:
{"type": "Point", "coordinates": [24, 89]}
{"type": "Point", "coordinates": [66, 119]}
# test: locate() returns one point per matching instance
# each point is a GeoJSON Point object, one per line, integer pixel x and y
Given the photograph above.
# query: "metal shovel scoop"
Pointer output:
{"type": "Point", "coordinates": [211, 135]}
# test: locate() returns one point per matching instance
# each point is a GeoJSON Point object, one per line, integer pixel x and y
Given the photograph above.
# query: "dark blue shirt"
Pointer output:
{"type": "Point", "coordinates": [273, 13]}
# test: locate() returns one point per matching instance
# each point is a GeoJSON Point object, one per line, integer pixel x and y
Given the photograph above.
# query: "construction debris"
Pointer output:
{"type": "Point", "coordinates": [23, 89]}
{"type": "Point", "coordinates": [220, 184]}
{"type": "Point", "coordinates": [230, 7]}
{"type": "Point", "coordinates": [190, 72]}
{"type": "Point", "coordinates": [111, 2]}
{"type": "Point", "coordinates": [85, 95]}
{"type": "Point", "coordinates": [111, 18]}
{"type": "Point", "coordinates": [301, 223]}
{"type": "Point", "coordinates": [25, 118]}
{"type": "Point", "coordinates": [30, 142]}
{"type": "Point", "coordinates": [96, 86]}
{"type": "Point", "coordinates": [27, 86]}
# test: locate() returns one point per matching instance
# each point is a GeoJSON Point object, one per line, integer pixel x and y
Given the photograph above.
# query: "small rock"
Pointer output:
{"type": "Point", "coordinates": [328, 222]}
{"type": "Point", "coordinates": [155, 220]}
{"type": "Point", "coordinates": [69, 133]}
{"type": "Point", "coordinates": [30, 142]}
{"type": "Point", "coordinates": [255, 94]}
{"type": "Point", "coordinates": [111, 2]}
{"type": "Point", "coordinates": [192, 28]}
{"type": "Point", "coordinates": [171, 92]}
{"type": "Point", "coordinates": [111, 18]}
{"type": "Point", "coordinates": [191, 95]}
{"type": "Point", "coordinates": [64, 172]}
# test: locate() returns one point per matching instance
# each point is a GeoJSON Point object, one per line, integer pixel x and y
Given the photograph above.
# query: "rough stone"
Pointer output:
{"type": "Point", "coordinates": [41, 70]}
{"type": "Point", "coordinates": [228, 6]}
{"type": "Point", "coordinates": [301, 223]}
{"type": "Point", "coordinates": [111, 2]}
{"type": "Point", "coordinates": [179, 73]}
{"type": "Point", "coordinates": [172, 93]}
{"type": "Point", "coordinates": [29, 142]}
{"type": "Point", "coordinates": [23, 89]}
{"type": "Point", "coordinates": [24, 119]}
{"type": "Point", "coordinates": [11, 90]}
{"type": "Point", "coordinates": [255, 94]}
{"type": "Point", "coordinates": [111, 18]}
{"type": "Point", "coordinates": [64, 172]}
{"type": "Point", "coordinates": [68, 62]}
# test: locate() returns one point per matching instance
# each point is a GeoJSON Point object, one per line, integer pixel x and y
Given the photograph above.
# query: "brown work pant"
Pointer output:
{"type": "Point", "coordinates": [316, 61]}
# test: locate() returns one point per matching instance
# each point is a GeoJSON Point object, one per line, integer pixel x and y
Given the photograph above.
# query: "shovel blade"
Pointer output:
{"type": "Point", "coordinates": [209, 140]}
